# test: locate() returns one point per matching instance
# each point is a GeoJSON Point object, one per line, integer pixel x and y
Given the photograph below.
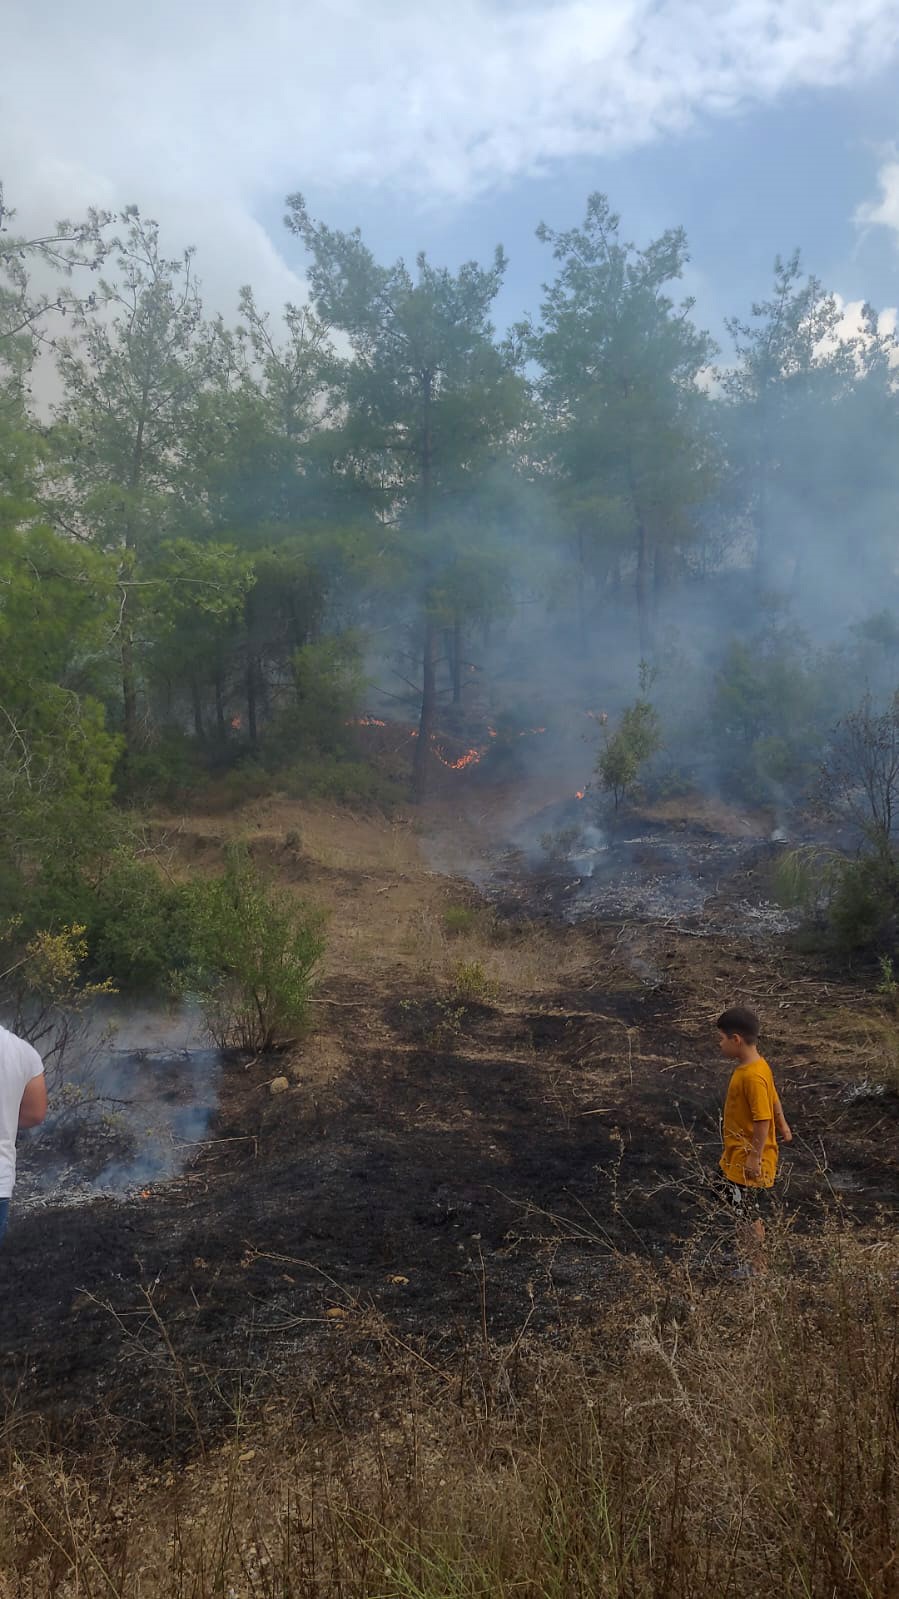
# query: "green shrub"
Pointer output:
{"type": "Point", "coordinates": [139, 926]}
{"type": "Point", "coordinates": [255, 950]}
{"type": "Point", "coordinates": [241, 786]}
{"type": "Point", "coordinates": [864, 910]}
{"type": "Point", "coordinates": [625, 752]}
{"type": "Point", "coordinates": [168, 772]}
{"type": "Point", "coordinates": [353, 783]}
{"type": "Point", "coordinates": [770, 711]}
{"type": "Point", "coordinates": [458, 920]}
{"type": "Point", "coordinates": [471, 983]}
{"type": "Point", "coordinates": [327, 688]}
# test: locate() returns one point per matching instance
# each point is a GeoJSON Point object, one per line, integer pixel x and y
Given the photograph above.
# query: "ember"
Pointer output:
{"type": "Point", "coordinates": [579, 794]}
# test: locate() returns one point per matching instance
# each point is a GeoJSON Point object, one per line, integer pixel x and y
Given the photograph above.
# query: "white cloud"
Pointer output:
{"type": "Point", "coordinates": [203, 111]}
{"type": "Point", "coordinates": [852, 324]}
{"type": "Point", "coordinates": [884, 211]}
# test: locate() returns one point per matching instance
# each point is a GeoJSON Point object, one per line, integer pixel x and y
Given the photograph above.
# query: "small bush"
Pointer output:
{"type": "Point", "coordinates": [328, 685]}
{"type": "Point", "coordinates": [255, 950]}
{"type": "Point", "coordinates": [471, 983]}
{"type": "Point", "coordinates": [170, 771]}
{"type": "Point", "coordinates": [138, 927]}
{"type": "Point", "coordinates": [458, 920]}
{"type": "Point", "coordinates": [353, 783]}
{"type": "Point", "coordinates": [241, 786]}
{"type": "Point", "coordinates": [625, 752]}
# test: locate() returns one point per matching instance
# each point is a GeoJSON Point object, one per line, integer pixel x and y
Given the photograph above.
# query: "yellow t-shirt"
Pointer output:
{"type": "Point", "coordinates": [750, 1098]}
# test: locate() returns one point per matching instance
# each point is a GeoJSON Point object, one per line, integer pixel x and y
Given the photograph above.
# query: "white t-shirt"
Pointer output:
{"type": "Point", "coordinates": [19, 1063]}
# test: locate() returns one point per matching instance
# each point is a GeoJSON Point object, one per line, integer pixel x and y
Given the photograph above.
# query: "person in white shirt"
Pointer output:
{"type": "Point", "coordinates": [23, 1103]}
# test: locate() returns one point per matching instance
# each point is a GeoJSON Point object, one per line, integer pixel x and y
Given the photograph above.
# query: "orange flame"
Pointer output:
{"type": "Point", "coordinates": [580, 793]}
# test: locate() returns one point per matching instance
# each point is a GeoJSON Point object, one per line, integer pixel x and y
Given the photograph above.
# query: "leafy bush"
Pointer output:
{"type": "Point", "coordinates": [864, 909]}
{"type": "Point", "coordinates": [169, 771]}
{"type": "Point", "coordinates": [353, 783]}
{"type": "Point", "coordinates": [770, 710]}
{"type": "Point", "coordinates": [327, 688]}
{"type": "Point", "coordinates": [471, 983]}
{"type": "Point", "coordinates": [625, 752]}
{"type": "Point", "coordinates": [44, 996]}
{"type": "Point", "coordinates": [459, 919]}
{"type": "Point", "coordinates": [255, 950]}
{"type": "Point", "coordinates": [856, 896]}
{"type": "Point", "coordinates": [241, 786]}
{"type": "Point", "coordinates": [139, 926]}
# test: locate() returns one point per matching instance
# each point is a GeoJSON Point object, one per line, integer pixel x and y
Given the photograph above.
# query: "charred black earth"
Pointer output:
{"type": "Point", "coordinates": [470, 1162]}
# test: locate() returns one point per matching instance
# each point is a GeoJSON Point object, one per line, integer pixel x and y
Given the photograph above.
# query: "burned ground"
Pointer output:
{"type": "Point", "coordinates": [440, 1168]}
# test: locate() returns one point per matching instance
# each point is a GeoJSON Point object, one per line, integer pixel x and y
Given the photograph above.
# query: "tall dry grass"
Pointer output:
{"type": "Point", "coordinates": [699, 1442]}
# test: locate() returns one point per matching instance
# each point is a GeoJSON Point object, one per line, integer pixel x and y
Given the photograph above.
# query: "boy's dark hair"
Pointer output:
{"type": "Point", "coordinates": [741, 1020]}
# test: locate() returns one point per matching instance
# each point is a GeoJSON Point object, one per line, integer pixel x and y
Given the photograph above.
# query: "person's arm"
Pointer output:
{"type": "Point", "coordinates": [784, 1130]}
{"type": "Point", "coordinates": [752, 1166]}
{"type": "Point", "coordinates": [33, 1108]}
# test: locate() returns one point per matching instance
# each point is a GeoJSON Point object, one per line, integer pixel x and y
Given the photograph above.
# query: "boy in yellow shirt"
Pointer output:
{"type": "Point", "coordinates": [753, 1118]}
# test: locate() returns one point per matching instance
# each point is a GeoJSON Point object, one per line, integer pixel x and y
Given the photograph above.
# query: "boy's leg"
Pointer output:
{"type": "Point", "coordinates": [749, 1228]}
{"type": "Point", "coordinates": [751, 1244]}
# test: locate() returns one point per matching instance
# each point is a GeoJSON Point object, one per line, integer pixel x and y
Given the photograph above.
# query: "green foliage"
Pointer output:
{"type": "Point", "coordinates": [626, 751]}
{"type": "Point", "coordinates": [357, 784]}
{"type": "Point", "coordinates": [255, 949]}
{"type": "Point", "coordinates": [326, 692]}
{"type": "Point", "coordinates": [168, 770]}
{"type": "Point", "coordinates": [770, 709]}
{"type": "Point", "coordinates": [241, 786]}
{"type": "Point", "coordinates": [472, 984]}
{"type": "Point", "coordinates": [807, 878]}
{"type": "Point", "coordinates": [139, 927]}
{"type": "Point", "coordinates": [626, 419]}
{"type": "Point", "coordinates": [459, 920]}
{"type": "Point", "coordinates": [45, 991]}
{"type": "Point", "coordinates": [888, 985]}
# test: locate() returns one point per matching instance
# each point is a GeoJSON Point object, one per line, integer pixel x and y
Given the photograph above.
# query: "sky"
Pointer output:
{"type": "Point", "coordinates": [759, 125]}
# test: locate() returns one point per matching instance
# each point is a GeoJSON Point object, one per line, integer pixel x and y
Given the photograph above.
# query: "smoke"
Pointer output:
{"type": "Point", "coordinates": [139, 1094]}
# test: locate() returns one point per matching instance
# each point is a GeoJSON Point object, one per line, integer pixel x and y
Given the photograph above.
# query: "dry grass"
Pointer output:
{"type": "Point", "coordinates": [704, 1442]}
{"type": "Point", "coordinates": [385, 904]}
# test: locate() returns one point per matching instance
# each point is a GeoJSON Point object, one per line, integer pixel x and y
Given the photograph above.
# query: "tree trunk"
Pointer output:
{"type": "Point", "coordinates": [129, 691]}
{"type": "Point", "coordinates": [457, 662]}
{"type": "Point", "coordinates": [251, 699]}
{"type": "Point", "coordinates": [197, 702]}
{"type": "Point", "coordinates": [659, 580]}
{"type": "Point", "coordinates": [429, 653]}
{"type": "Point", "coordinates": [762, 550]}
{"type": "Point", "coordinates": [428, 714]}
{"type": "Point", "coordinates": [644, 622]}
{"type": "Point", "coordinates": [220, 706]}
{"type": "Point", "coordinates": [581, 595]}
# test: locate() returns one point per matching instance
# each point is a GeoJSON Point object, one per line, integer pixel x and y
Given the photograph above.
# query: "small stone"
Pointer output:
{"type": "Point", "coordinates": [279, 1085]}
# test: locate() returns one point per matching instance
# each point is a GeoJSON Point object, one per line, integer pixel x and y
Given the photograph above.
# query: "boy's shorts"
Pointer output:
{"type": "Point", "coordinates": [748, 1204]}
